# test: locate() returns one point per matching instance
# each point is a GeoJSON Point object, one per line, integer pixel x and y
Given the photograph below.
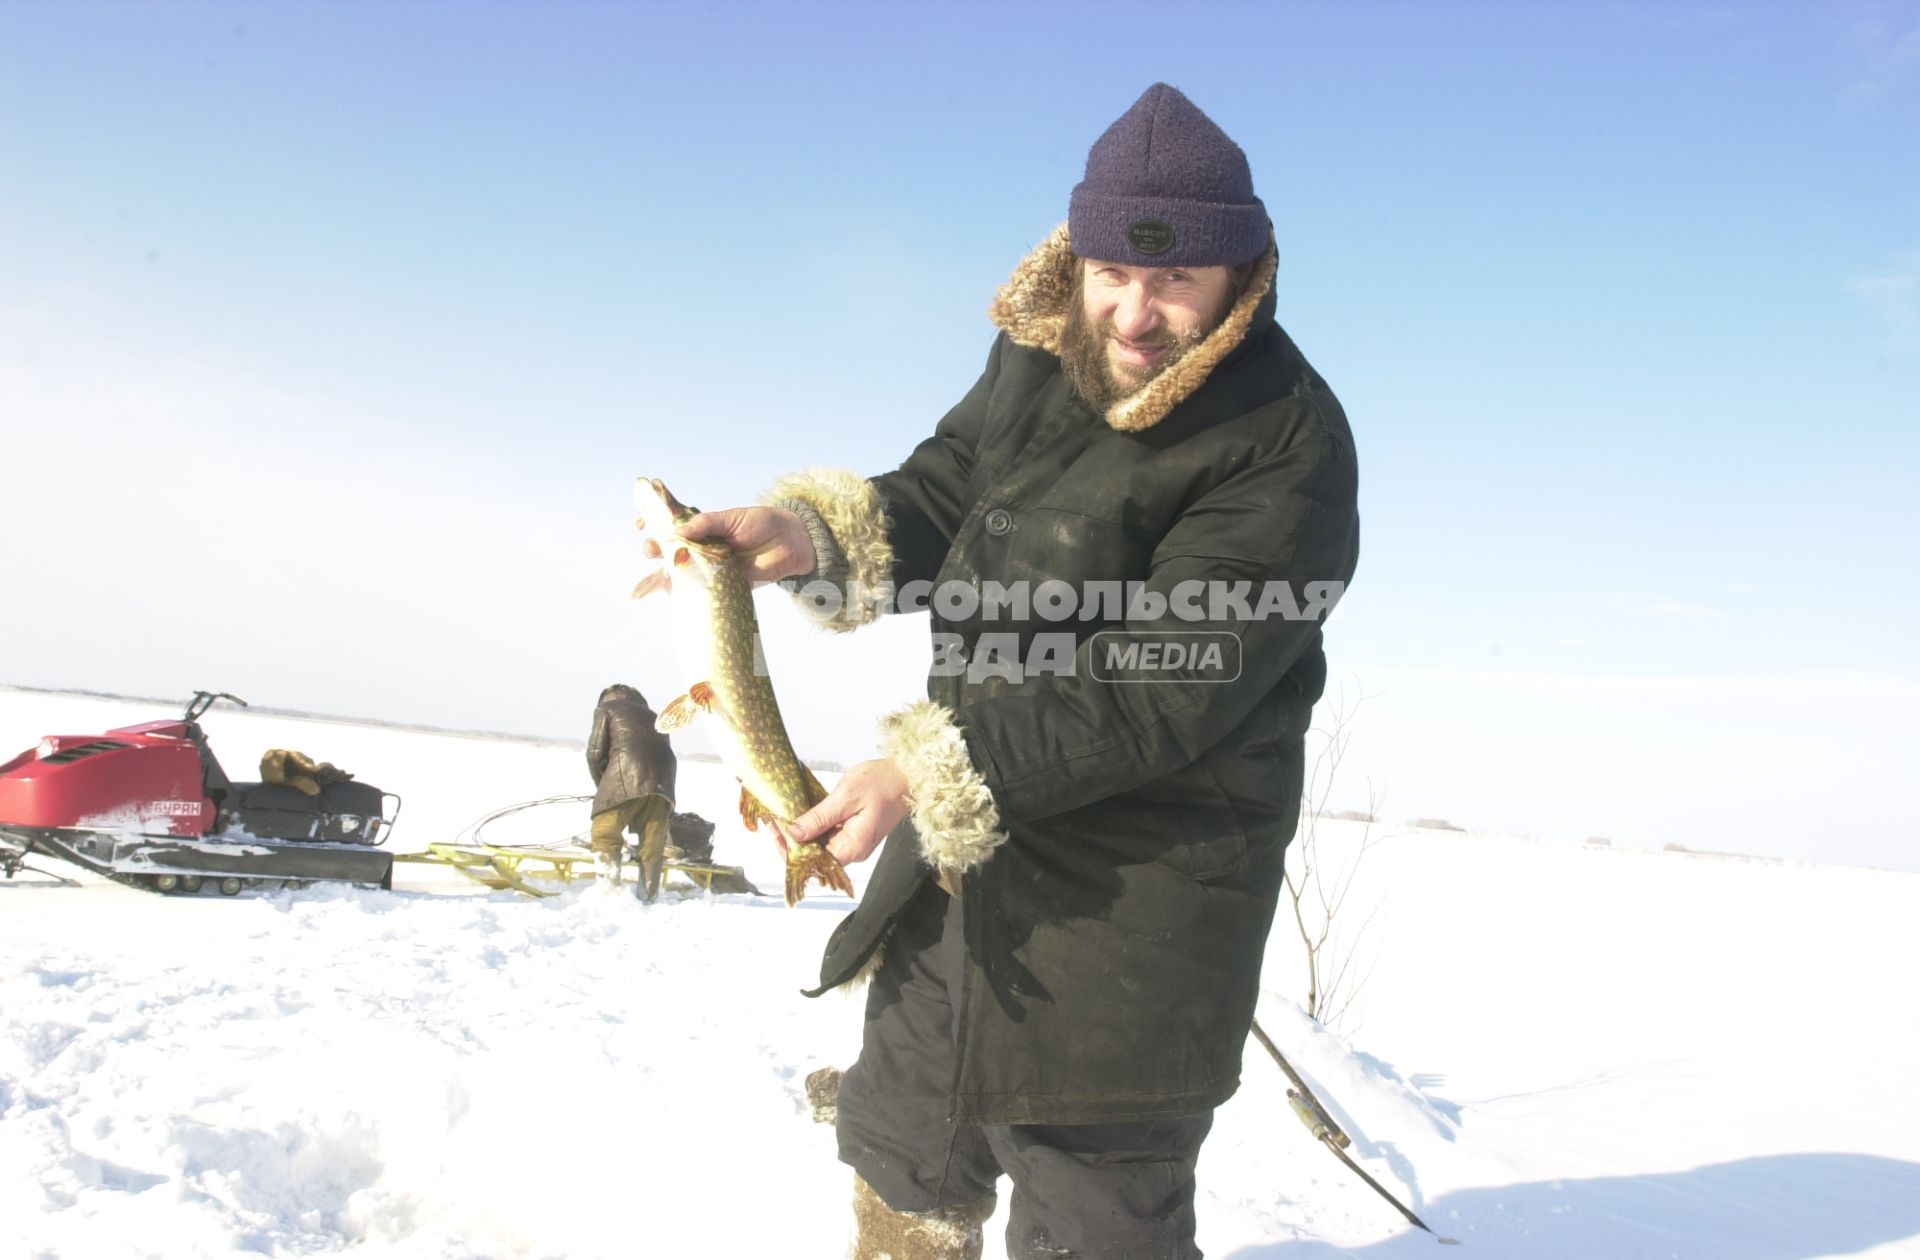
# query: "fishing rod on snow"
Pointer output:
{"type": "Point", "coordinates": [1329, 1133]}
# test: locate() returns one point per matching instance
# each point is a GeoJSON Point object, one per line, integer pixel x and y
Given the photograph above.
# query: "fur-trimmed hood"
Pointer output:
{"type": "Point", "coordinates": [1032, 307]}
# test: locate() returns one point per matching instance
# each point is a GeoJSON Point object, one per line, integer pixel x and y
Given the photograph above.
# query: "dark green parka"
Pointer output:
{"type": "Point", "coordinates": [1117, 844]}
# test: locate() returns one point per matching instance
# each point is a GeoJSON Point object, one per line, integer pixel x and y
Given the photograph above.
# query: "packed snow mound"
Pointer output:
{"type": "Point", "coordinates": [1365, 1095]}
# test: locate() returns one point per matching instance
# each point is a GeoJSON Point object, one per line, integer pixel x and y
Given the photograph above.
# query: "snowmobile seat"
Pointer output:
{"type": "Point", "coordinates": [348, 808]}
{"type": "Point", "coordinates": [277, 812]}
{"type": "Point", "coordinates": [341, 812]}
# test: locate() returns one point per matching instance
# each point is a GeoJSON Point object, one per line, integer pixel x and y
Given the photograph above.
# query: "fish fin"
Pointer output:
{"type": "Point", "coordinates": [812, 862]}
{"type": "Point", "coordinates": [701, 693]}
{"type": "Point", "coordinates": [658, 580]}
{"type": "Point", "coordinates": [752, 811]}
{"type": "Point", "coordinates": [678, 713]}
{"type": "Point", "coordinates": [681, 555]}
{"type": "Point", "coordinates": [813, 786]}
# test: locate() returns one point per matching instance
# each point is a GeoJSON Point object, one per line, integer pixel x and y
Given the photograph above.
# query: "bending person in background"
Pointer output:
{"type": "Point", "coordinates": [633, 767]}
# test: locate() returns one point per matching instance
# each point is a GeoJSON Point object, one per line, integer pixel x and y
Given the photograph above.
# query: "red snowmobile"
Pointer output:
{"type": "Point", "coordinates": [149, 805]}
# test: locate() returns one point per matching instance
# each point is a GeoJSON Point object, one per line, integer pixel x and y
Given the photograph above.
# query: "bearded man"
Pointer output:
{"type": "Point", "coordinates": [1065, 924]}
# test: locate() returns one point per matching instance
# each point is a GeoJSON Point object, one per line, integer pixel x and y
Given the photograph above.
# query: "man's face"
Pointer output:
{"type": "Point", "coordinates": [1132, 323]}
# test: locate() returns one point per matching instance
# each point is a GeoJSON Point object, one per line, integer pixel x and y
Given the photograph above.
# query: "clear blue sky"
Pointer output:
{"type": "Point", "coordinates": [335, 332]}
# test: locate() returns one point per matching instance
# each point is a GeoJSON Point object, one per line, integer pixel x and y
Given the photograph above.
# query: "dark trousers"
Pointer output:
{"type": "Point", "coordinates": [1097, 1191]}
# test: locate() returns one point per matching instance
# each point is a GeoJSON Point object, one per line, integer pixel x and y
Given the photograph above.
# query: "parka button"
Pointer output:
{"type": "Point", "coordinates": [999, 521]}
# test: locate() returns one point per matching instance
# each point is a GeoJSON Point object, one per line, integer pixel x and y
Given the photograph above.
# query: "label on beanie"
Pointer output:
{"type": "Point", "coordinates": [1150, 236]}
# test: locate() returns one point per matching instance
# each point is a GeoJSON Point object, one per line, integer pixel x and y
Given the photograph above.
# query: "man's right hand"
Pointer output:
{"type": "Point", "coordinates": [772, 543]}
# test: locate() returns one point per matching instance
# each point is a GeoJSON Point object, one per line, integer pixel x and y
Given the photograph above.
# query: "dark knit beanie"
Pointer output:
{"type": "Point", "coordinates": [1165, 187]}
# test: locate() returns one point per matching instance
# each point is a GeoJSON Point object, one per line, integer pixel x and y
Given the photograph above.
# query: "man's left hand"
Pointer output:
{"type": "Point", "coordinates": [868, 802]}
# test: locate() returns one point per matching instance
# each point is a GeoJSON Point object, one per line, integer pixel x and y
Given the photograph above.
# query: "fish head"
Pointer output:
{"type": "Point", "coordinates": [651, 496]}
{"type": "Point", "coordinates": [661, 516]}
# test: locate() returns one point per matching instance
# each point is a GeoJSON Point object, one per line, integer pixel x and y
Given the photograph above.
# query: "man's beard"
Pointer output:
{"type": "Point", "coordinates": [1093, 375]}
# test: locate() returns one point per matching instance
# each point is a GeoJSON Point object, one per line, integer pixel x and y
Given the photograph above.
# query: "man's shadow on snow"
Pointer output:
{"type": "Point", "coordinates": [1775, 1207]}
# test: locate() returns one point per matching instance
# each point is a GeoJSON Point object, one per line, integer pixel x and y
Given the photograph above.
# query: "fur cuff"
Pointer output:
{"type": "Point", "coordinates": [953, 809]}
{"type": "Point", "coordinates": [851, 509]}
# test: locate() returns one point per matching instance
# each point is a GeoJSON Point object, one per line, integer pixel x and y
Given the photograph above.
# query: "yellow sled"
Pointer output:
{"type": "Point", "coordinates": [498, 866]}
{"type": "Point", "coordinates": [714, 879]}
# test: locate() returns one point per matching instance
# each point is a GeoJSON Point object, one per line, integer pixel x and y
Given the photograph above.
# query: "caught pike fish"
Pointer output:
{"type": "Point", "coordinates": [717, 638]}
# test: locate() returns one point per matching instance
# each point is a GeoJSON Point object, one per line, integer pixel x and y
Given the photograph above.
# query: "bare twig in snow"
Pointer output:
{"type": "Point", "coordinates": [1319, 887]}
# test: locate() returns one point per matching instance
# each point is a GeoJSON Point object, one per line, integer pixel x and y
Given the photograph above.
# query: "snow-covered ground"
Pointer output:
{"type": "Point", "coordinates": [1559, 1051]}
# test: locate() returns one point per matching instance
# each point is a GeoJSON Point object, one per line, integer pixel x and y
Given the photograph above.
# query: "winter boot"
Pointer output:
{"type": "Point", "coordinates": [650, 821]}
{"type": "Point", "coordinates": [823, 1094]}
{"type": "Point", "coordinates": [880, 1233]}
{"type": "Point", "coordinates": [607, 866]}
